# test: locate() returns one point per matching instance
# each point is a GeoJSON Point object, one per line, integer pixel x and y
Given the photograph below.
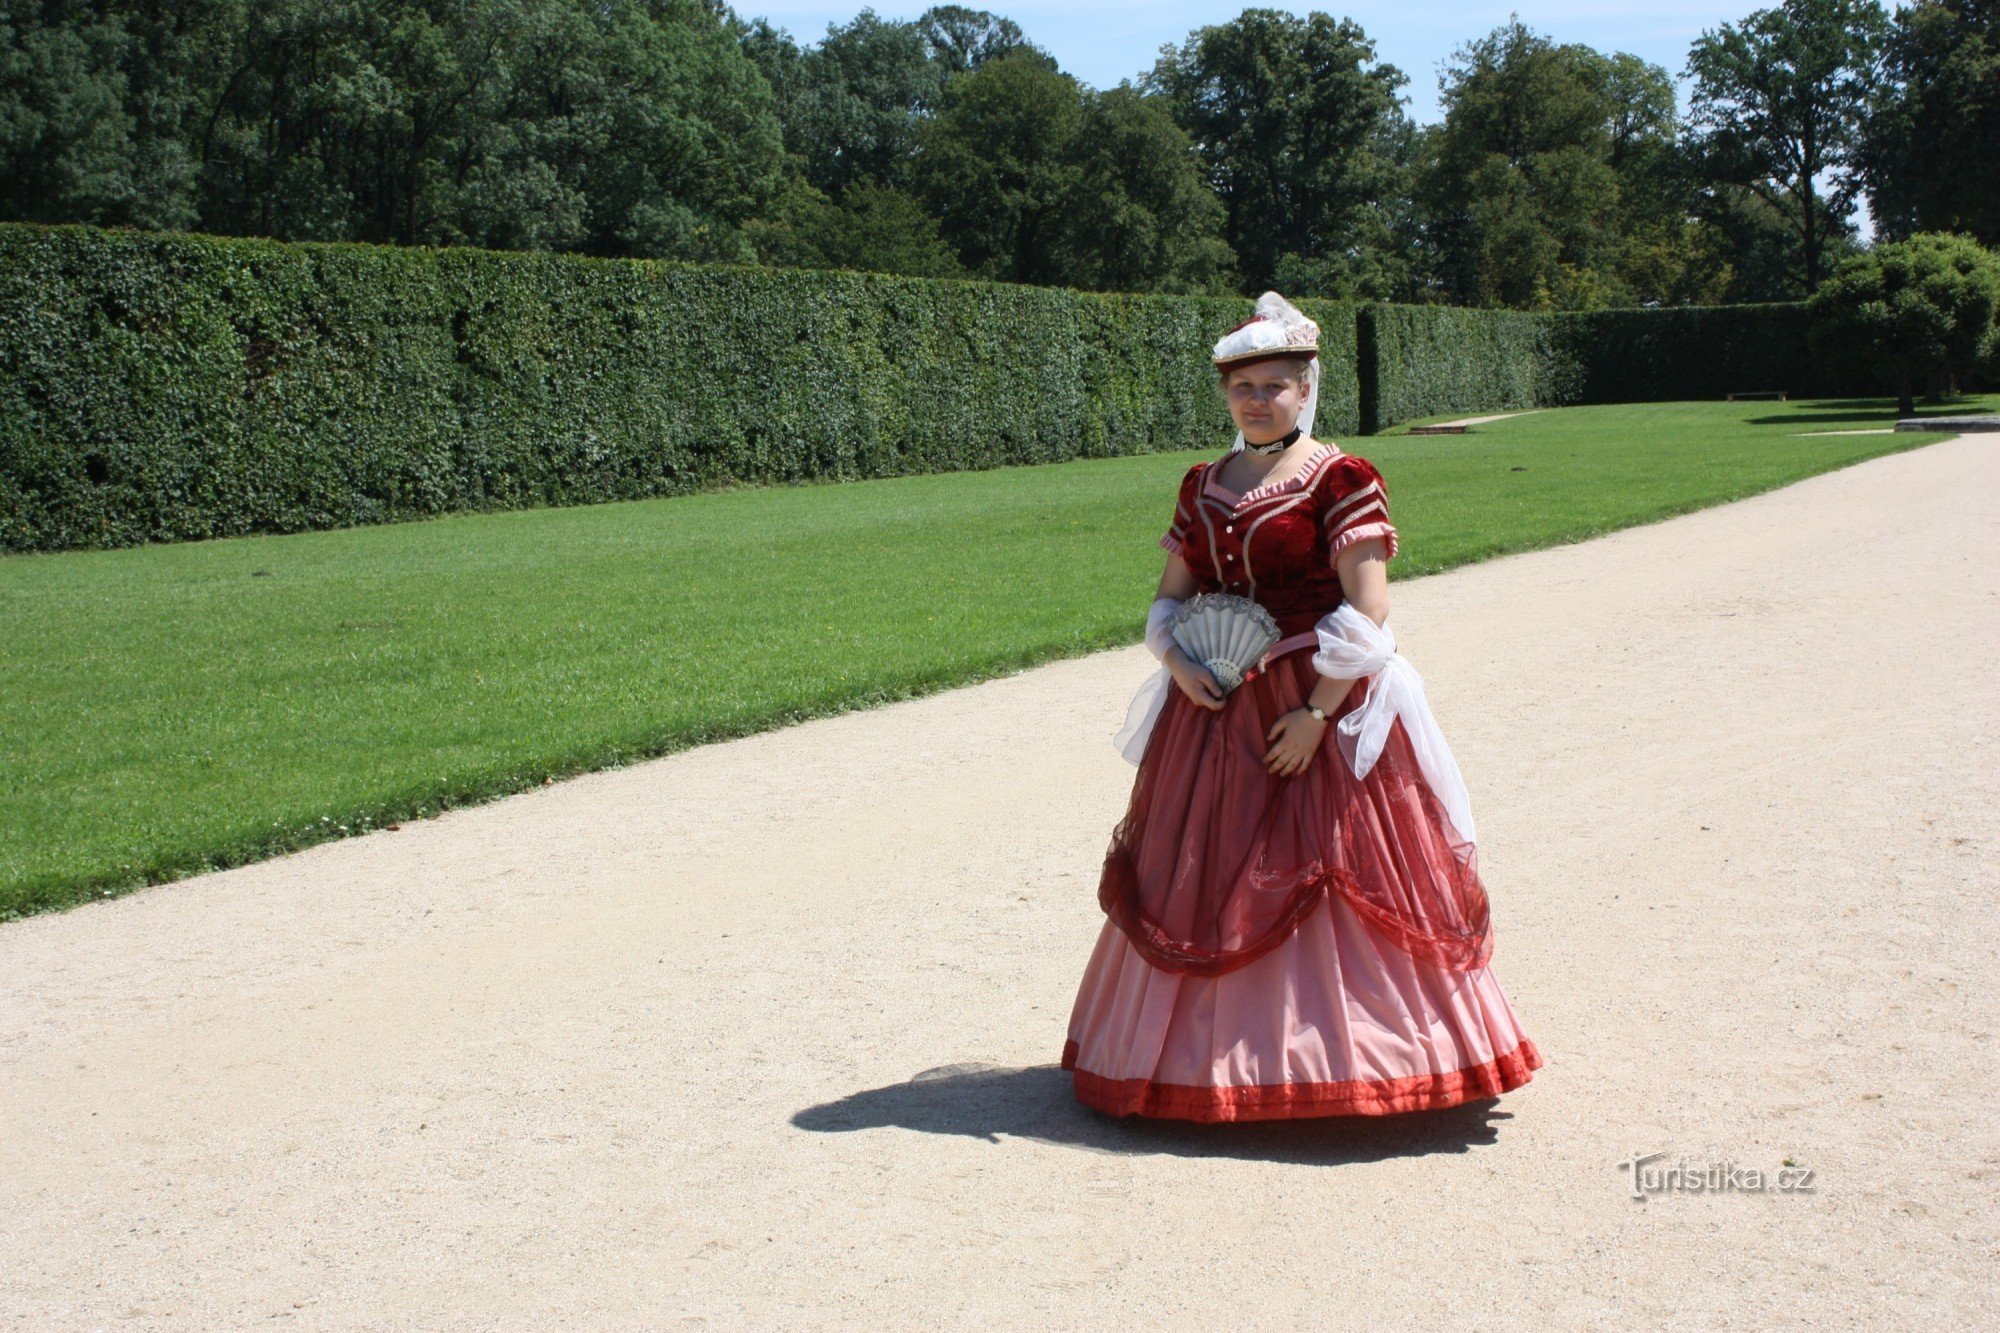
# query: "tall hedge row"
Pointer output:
{"type": "Point", "coordinates": [158, 387]}
{"type": "Point", "coordinates": [1421, 361]}
{"type": "Point", "coordinates": [1690, 352]}
{"type": "Point", "coordinates": [167, 387]}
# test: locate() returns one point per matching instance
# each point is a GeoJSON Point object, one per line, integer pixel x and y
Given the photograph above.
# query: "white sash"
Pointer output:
{"type": "Point", "coordinates": [1141, 713]}
{"type": "Point", "coordinates": [1351, 645]}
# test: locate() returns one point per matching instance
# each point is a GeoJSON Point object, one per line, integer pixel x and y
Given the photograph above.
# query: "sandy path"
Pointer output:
{"type": "Point", "coordinates": [766, 1032]}
{"type": "Point", "coordinates": [1497, 416]}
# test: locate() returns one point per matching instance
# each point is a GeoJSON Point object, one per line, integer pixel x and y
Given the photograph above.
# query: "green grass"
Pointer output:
{"type": "Point", "coordinates": [170, 709]}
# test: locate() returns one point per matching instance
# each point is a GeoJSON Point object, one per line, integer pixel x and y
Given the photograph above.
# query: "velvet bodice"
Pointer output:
{"type": "Point", "coordinates": [1277, 543]}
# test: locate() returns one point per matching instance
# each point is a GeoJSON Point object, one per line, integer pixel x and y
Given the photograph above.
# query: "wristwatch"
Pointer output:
{"type": "Point", "coordinates": [1316, 711]}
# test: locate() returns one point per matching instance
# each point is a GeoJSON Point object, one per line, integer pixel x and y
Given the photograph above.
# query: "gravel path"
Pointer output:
{"type": "Point", "coordinates": [765, 1033]}
{"type": "Point", "coordinates": [1497, 416]}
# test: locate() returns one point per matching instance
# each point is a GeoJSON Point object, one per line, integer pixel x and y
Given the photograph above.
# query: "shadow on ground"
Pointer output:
{"type": "Point", "coordinates": [1874, 411]}
{"type": "Point", "coordinates": [1038, 1102]}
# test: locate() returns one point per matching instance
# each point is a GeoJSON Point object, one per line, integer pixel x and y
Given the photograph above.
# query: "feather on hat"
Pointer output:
{"type": "Point", "coordinates": [1279, 328]}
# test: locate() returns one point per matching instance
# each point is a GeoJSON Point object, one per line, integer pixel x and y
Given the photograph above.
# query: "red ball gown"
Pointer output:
{"type": "Point", "coordinates": [1286, 946]}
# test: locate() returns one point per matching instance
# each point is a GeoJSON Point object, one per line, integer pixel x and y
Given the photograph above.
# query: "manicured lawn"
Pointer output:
{"type": "Point", "coordinates": [1590, 470]}
{"type": "Point", "coordinates": [170, 709]}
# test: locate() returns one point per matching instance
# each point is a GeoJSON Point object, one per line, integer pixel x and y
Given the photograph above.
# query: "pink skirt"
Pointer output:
{"type": "Point", "coordinates": [1334, 1021]}
{"type": "Point", "coordinates": [1309, 945]}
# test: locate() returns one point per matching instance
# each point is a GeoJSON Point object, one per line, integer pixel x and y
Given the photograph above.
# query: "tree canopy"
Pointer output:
{"type": "Point", "coordinates": [1779, 101]}
{"type": "Point", "coordinates": [1269, 148]}
{"type": "Point", "coordinates": [1930, 150]}
{"type": "Point", "coordinates": [1288, 115]}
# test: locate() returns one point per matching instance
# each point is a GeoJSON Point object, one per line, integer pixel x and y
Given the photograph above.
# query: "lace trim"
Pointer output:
{"type": "Point", "coordinates": [1361, 532]}
{"type": "Point", "coordinates": [1326, 454]}
{"type": "Point", "coordinates": [1289, 1101]}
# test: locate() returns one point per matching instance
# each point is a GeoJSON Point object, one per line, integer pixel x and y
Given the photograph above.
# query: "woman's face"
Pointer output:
{"type": "Point", "coordinates": [1266, 399]}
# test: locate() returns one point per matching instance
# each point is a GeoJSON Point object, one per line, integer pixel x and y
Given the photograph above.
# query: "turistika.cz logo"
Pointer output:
{"type": "Point", "coordinates": [1685, 1177]}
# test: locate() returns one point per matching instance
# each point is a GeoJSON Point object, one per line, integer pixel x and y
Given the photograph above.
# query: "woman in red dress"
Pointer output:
{"type": "Point", "coordinates": [1295, 924]}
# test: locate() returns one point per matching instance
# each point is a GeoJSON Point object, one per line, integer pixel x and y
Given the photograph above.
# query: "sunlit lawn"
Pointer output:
{"type": "Point", "coordinates": [173, 708]}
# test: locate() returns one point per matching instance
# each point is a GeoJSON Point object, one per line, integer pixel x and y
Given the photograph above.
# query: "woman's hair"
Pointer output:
{"type": "Point", "coordinates": [1300, 366]}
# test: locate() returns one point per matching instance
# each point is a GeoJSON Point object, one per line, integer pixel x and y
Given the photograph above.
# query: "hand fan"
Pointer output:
{"type": "Point", "coordinates": [1225, 633]}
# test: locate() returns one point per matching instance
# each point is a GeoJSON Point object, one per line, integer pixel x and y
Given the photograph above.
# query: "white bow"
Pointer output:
{"type": "Point", "coordinates": [1351, 646]}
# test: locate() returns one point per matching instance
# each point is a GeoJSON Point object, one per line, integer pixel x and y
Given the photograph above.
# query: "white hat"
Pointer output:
{"type": "Point", "coordinates": [1279, 328]}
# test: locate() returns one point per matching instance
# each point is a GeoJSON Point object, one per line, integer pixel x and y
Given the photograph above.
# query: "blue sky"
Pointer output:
{"type": "Point", "coordinates": [1113, 40]}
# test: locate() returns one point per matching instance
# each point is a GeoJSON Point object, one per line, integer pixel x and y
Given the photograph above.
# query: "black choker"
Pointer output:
{"type": "Point", "coordinates": [1275, 446]}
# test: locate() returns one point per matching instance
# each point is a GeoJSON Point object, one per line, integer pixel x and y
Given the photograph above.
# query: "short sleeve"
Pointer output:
{"type": "Point", "coordinates": [1184, 504]}
{"type": "Point", "coordinates": [1357, 508]}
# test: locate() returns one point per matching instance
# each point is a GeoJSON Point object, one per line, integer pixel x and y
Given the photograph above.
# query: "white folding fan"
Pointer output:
{"type": "Point", "coordinates": [1225, 633]}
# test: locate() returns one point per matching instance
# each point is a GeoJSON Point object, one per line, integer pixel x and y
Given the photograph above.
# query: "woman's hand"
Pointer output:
{"type": "Point", "coordinates": [1296, 736]}
{"type": "Point", "coordinates": [1195, 680]}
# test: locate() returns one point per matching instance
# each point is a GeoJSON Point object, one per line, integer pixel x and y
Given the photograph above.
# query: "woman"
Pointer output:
{"type": "Point", "coordinates": [1295, 924]}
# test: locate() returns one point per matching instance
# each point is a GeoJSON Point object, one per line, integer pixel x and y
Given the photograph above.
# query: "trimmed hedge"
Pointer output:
{"type": "Point", "coordinates": [1421, 361]}
{"type": "Point", "coordinates": [170, 387]}
{"type": "Point", "coordinates": [167, 387]}
{"type": "Point", "coordinates": [1690, 352]}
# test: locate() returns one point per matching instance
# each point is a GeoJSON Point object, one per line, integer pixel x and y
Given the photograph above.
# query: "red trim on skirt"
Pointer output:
{"type": "Point", "coordinates": [1291, 1101]}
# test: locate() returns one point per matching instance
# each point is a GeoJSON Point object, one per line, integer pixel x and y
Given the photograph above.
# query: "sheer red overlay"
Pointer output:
{"type": "Point", "coordinates": [1217, 860]}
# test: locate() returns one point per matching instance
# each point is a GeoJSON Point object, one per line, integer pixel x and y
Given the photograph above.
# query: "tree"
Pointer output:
{"type": "Point", "coordinates": [1920, 308]}
{"type": "Point", "coordinates": [102, 107]}
{"type": "Point", "coordinates": [873, 228]}
{"type": "Point", "coordinates": [1778, 103]}
{"type": "Point", "coordinates": [1520, 185]}
{"type": "Point", "coordinates": [960, 40]}
{"type": "Point", "coordinates": [1930, 153]}
{"type": "Point", "coordinates": [993, 166]}
{"type": "Point", "coordinates": [1140, 218]}
{"type": "Point", "coordinates": [1640, 103]}
{"type": "Point", "coordinates": [1285, 112]}
{"type": "Point", "coordinates": [1665, 252]}
{"type": "Point", "coordinates": [1035, 178]}
{"type": "Point", "coordinates": [66, 150]}
{"type": "Point", "coordinates": [691, 147]}
{"type": "Point", "coordinates": [1377, 262]}
{"type": "Point", "coordinates": [614, 127]}
{"type": "Point", "coordinates": [850, 106]}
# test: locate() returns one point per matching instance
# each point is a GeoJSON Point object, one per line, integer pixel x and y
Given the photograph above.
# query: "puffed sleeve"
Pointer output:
{"type": "Point", "coordinates": [1356, 508]}
{"type": "Point", "coordinates": [1184, 504]}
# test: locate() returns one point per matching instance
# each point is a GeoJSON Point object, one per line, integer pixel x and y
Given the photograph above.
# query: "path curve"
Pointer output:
{"type": "Point", "coordinates": [1497, 416]}
{"type": "Point", "coordinates": [765, 1032]}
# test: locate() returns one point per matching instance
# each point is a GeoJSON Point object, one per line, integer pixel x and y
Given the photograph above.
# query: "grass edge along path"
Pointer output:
{"type": "Point", "coordinates": [176, 709]}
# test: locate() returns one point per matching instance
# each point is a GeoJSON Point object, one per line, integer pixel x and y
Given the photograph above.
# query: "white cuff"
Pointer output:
{"type": "Point", "coordinates": [1158, 637]}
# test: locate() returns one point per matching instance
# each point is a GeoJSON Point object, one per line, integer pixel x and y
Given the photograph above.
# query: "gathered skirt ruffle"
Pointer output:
{"type": "Point", "coordinates": [1333, 1021]}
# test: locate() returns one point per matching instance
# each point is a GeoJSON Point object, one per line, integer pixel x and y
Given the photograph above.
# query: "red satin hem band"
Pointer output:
{"type": "Point", "coordinates": [1290, 1101]}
